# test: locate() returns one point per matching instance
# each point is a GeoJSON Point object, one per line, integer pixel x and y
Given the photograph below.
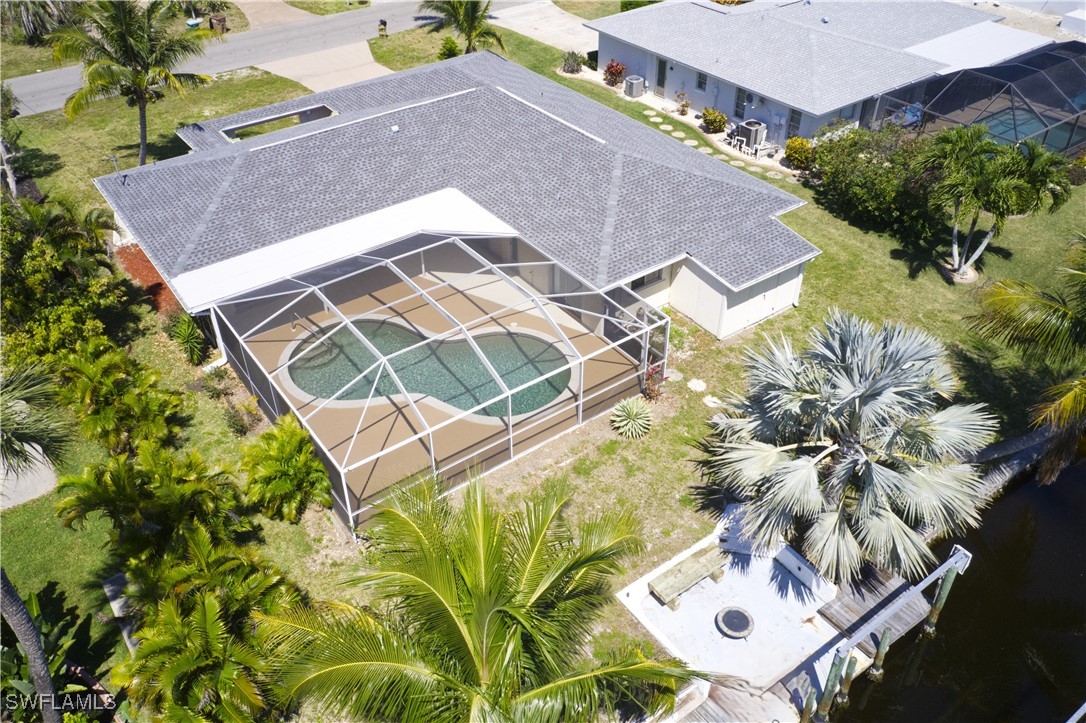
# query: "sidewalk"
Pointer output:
{"type": "Point", "coordinates": [544, 21]}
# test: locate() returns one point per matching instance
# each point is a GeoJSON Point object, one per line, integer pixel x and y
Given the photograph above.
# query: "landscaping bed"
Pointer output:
{"type": "Point", "coordinates": [139, 268]}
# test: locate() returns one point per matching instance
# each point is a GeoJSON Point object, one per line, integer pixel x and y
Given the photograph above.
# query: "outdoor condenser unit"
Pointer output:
{"type": "Point", "coordinates": [752, 131]}
{"type": "Point", "coordinates": [635, 86]}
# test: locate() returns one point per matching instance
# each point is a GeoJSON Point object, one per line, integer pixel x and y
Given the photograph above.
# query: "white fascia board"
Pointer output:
{"type": "Point", "coordinates": [978, 46]}
{"type": "Point", "coordinates": [447, 211]}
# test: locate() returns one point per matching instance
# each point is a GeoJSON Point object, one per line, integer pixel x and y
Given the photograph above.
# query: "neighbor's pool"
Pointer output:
{"type": "Point", "coordinates": [447, 370]}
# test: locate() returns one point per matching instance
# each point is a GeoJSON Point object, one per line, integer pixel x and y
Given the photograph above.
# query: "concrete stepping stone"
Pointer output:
{"type": "Point", "coordinates": [656, 119]}
{"type": "Point", "coordinates": [775, 174]}
{"type": "Point", "coordinates": [696, 385]}
{"type": "Point", "coordinates": [737, 164]}
{"type": "Point", "coordinates": [756, 169]}
{"type": "Point", "coordinates": [679, 134]}
{"type": "Point", "coordinates": [706, 150]}
{"type": "Point", "coordinates": [722, 156]}
{"type": "Point", "coordinates": [690, 142]}
{"type": "Point", "coordinates": [793, 179]}
{"type": "Point", "coordinates": [649, 112]}
{"type": "Point", "coordinates": [667, 127]}
{"type": "Point", "coordinates": [674, 375]}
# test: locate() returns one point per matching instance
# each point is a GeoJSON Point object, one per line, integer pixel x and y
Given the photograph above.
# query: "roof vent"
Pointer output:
{"type": "Point", "coordinates": [825, 21]}
{"type": "Point", "coordinates": [395, 129]}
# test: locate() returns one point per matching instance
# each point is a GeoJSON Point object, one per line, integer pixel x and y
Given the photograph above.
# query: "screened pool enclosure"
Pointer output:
{"type": "Point", "coordinates": [1041, 95]}
{"type": "Point", "coordinates": [437, 353]}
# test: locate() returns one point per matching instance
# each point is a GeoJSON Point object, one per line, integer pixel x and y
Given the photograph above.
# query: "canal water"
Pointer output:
{"type": "Point", "coordinates": [1011, 642]}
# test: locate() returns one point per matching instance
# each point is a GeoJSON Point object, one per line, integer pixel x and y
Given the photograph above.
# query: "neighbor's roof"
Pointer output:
{"type": "Point", "coordinates": [605, 195]}
{"type": "Point", "coordinates": [788, 53]}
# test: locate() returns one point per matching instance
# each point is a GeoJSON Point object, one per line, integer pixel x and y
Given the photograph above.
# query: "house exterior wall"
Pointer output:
{"type": "Point", "coordinates": [761, 300]}
{"type": "Point", "coordinates": [718, 93]}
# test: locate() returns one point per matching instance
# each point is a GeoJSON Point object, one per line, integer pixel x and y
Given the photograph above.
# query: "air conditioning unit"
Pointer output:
{"type": "Point", "coordinates": [635, 86]}
{"type": "Point", "coordinates": [752, 131]}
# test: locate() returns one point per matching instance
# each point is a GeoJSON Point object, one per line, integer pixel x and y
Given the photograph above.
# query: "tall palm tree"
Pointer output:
{"type": "Point", "coordinates": [1001, 191]}
{"type": "Point", "coordinates": [129, 49]}
{"type": "Point", "coordinates": [847, 448]}
{"type": "Point", "coordinates": [189, 667]}
{"type": "Point", "coordinates": [36, 18]}
{"type": "Point", "coordinates": [284, 474]}
{"type": "Point", "coordinates": [1045, 176]}
{"type": "Point", "coordinates": [956, 155]}
{"type": "Point", "coordinates": [1051, 323]}
{"type": "Point", "coordinates": [31, 429]}
{"type": "Point", "coordinates": [18, 619]}
{"type": "Point", "coordinates": [466, 18]}
{"type": "Point", "coordinates": [488, 614]}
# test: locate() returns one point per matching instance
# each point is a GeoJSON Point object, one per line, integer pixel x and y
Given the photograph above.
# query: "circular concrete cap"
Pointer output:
{"type": "Point", "coordinates": [793, 179]}
{"type": "Point", "coordinates": [674, 375]}
{"type": "Point", "coordinates": [734, 622]}
{"type": "Point", "coordinates": [706, 149]}
{"type": "Point", "coordinates": [738, 164]}
{"type": "Point", "coordinates": [649, 112]}
{"type": "Point", "coordinates": [656, 119]}
{"type": "Point", "coordinates": [679, 134]}
{"type": "Point", "coordinates": [756, 169]}
{"type": "Point", "coordinates": [722, 156]}
{"type": "Point", "coordinates": [690, 142]}
{"type": "Point", "coordinates": [696, 385]}
{"type": "Point", "coordinates": [667, 127]}
{"type": "Point", "coordinates": [775, 174]}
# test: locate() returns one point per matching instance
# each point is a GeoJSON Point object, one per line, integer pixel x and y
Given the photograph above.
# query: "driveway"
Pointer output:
{"type": "Point", "coordinates": [544, 21]}
{"type": "Point", "coordinates": [269, 13]}
{"type": "Point", "coordinates": [326, 69]}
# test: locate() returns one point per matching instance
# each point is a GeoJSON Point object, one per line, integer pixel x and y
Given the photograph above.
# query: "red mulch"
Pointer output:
{"type": "Point", "coordinates": [136, 264]}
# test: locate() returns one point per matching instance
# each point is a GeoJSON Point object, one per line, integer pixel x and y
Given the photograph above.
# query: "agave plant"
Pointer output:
{"type": "Point", "coordinates": [631, 418]}
{"type": "Point", "coordinates": [188, 336]}
{"type": "Point", "coordinates": [849, 449]}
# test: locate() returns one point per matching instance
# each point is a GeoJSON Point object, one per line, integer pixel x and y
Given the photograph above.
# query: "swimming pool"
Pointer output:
{"type": "Point", "coordinates": [1002, 123]}
{"type": "Point", "coordinates": [446, 370]}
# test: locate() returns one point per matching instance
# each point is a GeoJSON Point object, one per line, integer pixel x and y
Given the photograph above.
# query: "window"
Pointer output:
{"type": "Point", "coordinates": [795, 118]}
{"type": "Point", "coordinates": [740, 103]}
{"type": "Point", "coordinates": [646, 280]}
{"type": "Point", "coordinates": [847, 112]}
{"type": "Point", "coordinates": [703, 81]}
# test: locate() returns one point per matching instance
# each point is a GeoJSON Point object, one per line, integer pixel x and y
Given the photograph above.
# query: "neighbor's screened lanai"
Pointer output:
{"type": "Point", "coordinates": [437, 353]}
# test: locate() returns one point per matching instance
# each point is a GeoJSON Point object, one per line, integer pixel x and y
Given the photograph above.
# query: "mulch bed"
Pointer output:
{"type": "Point", "coordinates": [140, 269]}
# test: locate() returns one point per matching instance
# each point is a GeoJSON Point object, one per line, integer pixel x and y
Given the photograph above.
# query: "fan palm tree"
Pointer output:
{"type": "Point", "coordinates": [26, 632]}
{"type": "Point", "coordinates": [189, 667]}
{"type": "Point", "coordinates": [847, 449]}
{"type": "Point", "coordinates": [129, 49]}
{"type": "Point", "coordinates": [466, 18]}
{"type": "Point", "coordinates": [1052, 323]}
{"type": "Point", "coordinates": [957, 154]}
{"type": "Point", "coordinates": [487, 618]}
{"type": "Point", "coordinates": [31, 429]}
{"type": "Point", "coordinates": [284, 474]}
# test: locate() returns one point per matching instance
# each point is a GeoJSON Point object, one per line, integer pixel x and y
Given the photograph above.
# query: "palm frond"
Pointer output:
{"type": "Point", "coordinates": [1020, 314]}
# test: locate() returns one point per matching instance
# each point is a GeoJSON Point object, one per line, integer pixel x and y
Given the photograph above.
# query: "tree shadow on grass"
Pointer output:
{"type": "Point", "coordinates": [159, 148]}
{"type": "Point", "coordinates": [920, 255]}
{"type": "Point", "coordinates": [35, 163]}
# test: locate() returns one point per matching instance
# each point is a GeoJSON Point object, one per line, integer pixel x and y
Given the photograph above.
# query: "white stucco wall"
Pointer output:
{"type": "Point", "coordinates": [761, 300]}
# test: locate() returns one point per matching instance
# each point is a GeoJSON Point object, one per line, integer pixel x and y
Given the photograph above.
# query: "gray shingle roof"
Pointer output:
{"type": "Point", "coordinates": [548, 180]}
{"type": "Point", "coordinates": [786, 52]}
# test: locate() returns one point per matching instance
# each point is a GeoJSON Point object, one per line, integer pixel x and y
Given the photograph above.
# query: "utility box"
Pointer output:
{"type": "Point", "coordinates": [635, 86]}
{"type": "Point", "coordinates": [217, 22]}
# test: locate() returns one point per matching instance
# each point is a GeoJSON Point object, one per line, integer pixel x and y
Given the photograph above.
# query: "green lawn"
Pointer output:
{"type": "Point", "coordinates": [18, 59]}
{"type": "Point", "coordinates": [327, 7]}
{"type": "Point", "coordinates": [590, 9]}
{"type": "Point", "coordinates": [64, 155]}
{"type": "Point", "coordinates": [236, 22]}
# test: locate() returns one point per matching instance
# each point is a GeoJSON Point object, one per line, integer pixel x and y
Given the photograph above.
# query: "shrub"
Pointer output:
{"type": "Point", "coordinates": [631, 418]}
{"type": "Point", "coordinates": [799, 153]}
{"type": "Point", "coordinates": [614, 72]}
{"type": "Point", "coordinates": [592, 60]}
{"type": "Point", "coordinates": [216, 382]}
{"type": "Point", "coordinates": [684, 103]}
{"type": "Point", "coordinates": [572, 62]}
{"type": "Point", "coordinates": [1076, 171]}
{"type": "Point", "coordinates": [186, 332]}
{"type": "Point", "coordinates": [284, 473]}
{"type": "Point", "coordinates": [8, 102]}
{"type": "Point", "coordinates": [241, 418]}
{"type": "Point", "coordinates": [714, 120]}
{"type": "Point", "coordinates": [449, 48]}
{"type": "Point", "coordinates": [625, 5]}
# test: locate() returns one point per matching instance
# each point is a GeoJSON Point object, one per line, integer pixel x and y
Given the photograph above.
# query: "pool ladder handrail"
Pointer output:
{"type": "Point", "coordinates": [297, 319]}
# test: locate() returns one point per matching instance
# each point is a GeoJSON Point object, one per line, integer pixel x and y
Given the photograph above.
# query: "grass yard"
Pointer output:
{"type": "Point", "coordinates": [64, 155]}
{"type": "Point", "coordinates": [327, 7]}
{"type": "Point", "coordinates": [18, 59]}
{"type": "Point", "coordinates": [590, 9]}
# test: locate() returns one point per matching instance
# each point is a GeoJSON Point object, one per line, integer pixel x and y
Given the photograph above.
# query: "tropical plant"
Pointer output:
{"type": "Point", "coordinates": [1050, 324]}
{"type": "Point", "coordinates": [31, 429]}
{"type": "Point", "coordinates": [9, 102]}
{"type": "Point", "coordinates": [485, 616]}
{"type": "Point", "coordinates": [631, 418]}
{"type": "Point", "coordinates": [152, 499]}
{"type": "Point", "coordinates": [185, 331]}
{"type": "Point", "coordinates": [284, 475]}
{"type": "Point", "coordinates": [59, 286]}
{"type": "Point", "coordinates": [188, 666]}
{"type": "Point", "coordinates": [448, 49]}
{"type": "Point", "coordinates": [129, 49]}
{"type": "Point", "coordinates": [15, 614]}
{"type": "Point", "coordinates": [16, 676]}
{"type": "Point", "coordinates": [714, 120]}
{"type": "Point", "coordinates": [999, 189]}
{"type": "Point", "coordinates": [118, 401]}
{"type": "Point", "coordinates": [613, 72]}
{"type": "Point", "coordinates": [1045, 176]}
{"type": "Point", "coordinates": [469, 19]}
{"type": "Point", "coordinates": [35, 19]}
{"type": "Point", "coordinates": [847, 449]}
{"type": "Point", "coordinates": [572, 62]}
{"type": "Point", "coordinates": [799, 153]}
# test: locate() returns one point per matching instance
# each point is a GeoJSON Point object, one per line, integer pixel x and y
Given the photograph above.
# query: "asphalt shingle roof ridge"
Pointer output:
{"type": "Point", "coordinates": [208, 215]}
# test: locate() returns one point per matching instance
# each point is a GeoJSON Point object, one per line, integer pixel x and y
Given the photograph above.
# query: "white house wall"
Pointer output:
{"type": "Point", "coordinates": [761, 300]}
{"type": "Point", "coordinates": [699, 295]}
{"type": "Point", "coordinates": [718, 93]}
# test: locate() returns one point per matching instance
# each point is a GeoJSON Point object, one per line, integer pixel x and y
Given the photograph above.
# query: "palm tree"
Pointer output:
{"type": "Point", "coordinates": [847, 449]}
{"type": "Point", "coordinates": [488, 614]}
{"type": "Point", "coordinates": [129, 49]}
{"type": "Point", "coordinates": [31, 429]}
{"type": "Point", "coordinates": [466, 18]}
{"type": "Point", "coordinates": [18, 619]}
{"type": "Point", "coordinates": [1045, 176]}
{"type": "Point", "coordinates": [188, 666]}
{"type": "Point", "coordinates": [284, 474]}
{"type": "Point", "coordinates": [36, 18]}
{"type": "Point", "coordinates": [1053, 324]}
{"type": "Point", "coordinates": [999, 190]}
{"type": "Point", "coordinates": [956, 155]}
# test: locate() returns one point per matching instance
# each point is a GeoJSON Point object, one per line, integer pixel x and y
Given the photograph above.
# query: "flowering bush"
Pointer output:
{"type": "Point", "coordinates": [684, 103]}
{"type": "Point", "coordinates": [799, 153]}
{"type": "Point", "coordinates": [614, 72]}
{"type": "Point", "coordinates": [714, 120]}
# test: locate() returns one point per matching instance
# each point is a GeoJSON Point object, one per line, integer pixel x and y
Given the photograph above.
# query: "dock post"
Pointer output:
{"type": "Point", "coordinates": [832, 678]}
{"type": "Point", "coordinates": [846, 682]}
{"type": "Point", "coordinates": [809, 708]}
{"type": "Point", "coordinates": [875, 671]}
{"type": "Point", "coordinates": [940, 600]}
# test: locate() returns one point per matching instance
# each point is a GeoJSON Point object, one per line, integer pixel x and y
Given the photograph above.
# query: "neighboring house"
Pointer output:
{"type": "Point", "coordinates": [466, 201]}
{"type": "Point", "coordinates": [798, 66]}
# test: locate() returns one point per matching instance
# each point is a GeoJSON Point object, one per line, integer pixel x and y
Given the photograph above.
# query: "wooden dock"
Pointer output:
{"type": "Point", "coordinates": [855, 606]}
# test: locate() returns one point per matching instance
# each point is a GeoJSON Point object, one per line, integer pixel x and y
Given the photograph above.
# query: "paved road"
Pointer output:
{"type": "Point", "coordinates": [47, 91]}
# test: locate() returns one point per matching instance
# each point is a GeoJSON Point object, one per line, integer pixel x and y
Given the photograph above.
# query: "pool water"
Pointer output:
{"type": "Point", "coordinates": [1002, 123]}
{"type": "Point", "coordinates": [446, 370]}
